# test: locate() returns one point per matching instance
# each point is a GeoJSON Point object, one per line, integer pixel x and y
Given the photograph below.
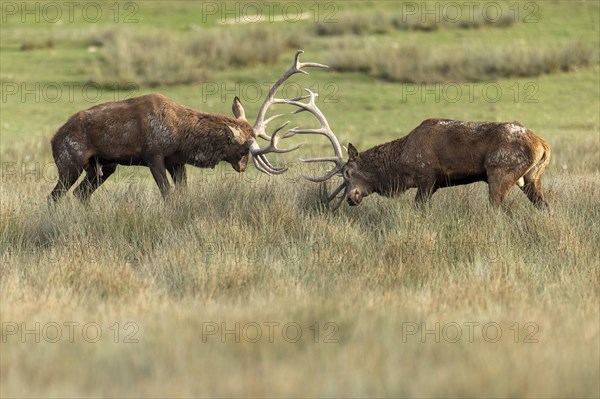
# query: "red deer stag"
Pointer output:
{"type": "Point", "coordinates": [438, 153]}
{"type": "Point", "coordinates": [157, 132]}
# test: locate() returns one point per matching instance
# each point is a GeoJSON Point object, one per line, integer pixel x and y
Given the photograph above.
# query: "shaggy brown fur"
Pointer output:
{"type": "Point", "coordinates": [442, 153]}
{"type": "Point", "coordinates": [152, 131]}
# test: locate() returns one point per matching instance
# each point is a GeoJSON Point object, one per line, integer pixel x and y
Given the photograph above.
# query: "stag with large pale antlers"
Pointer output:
{"type": "Point", "coordinates": [157, 132]}
{"type": "Point", "coordinates": [438, 153]}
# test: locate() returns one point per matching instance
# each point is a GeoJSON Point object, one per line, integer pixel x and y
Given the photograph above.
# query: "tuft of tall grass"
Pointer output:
{"type": "Point", "coordinates": [38, 44]}
{"type": "Point", "coordinates": [147, 59]}
{"type": "Point", "coordinates": [153, 59]}
{"type": "Point", "coordinates": [417, 64]}
{"type": "Point", "coordinates": [360, 23]}
{"type": "Point", "coordinates": [255, 45]}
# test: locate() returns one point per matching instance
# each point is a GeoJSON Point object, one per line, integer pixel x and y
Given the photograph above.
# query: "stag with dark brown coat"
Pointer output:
{"type": "Point", "coordinates": [157, 132]}
{"type": "Point", "coordinates": [438, 153]}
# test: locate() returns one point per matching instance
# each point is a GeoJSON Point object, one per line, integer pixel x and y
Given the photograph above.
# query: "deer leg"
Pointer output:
{"type": "Point", "coordinates": [157, 167]}
{"type": "Point", "coordinates": [425, 190]}
{"type": "Point", "coordinates": [177, 172]}
{"type": "Point", "coordinates": [533, 190]}
{"type": "Point", "coordinates": [94, 177]}
{"type": "Point", "coordinates": [498, 193]}
{"type": "Point", "coordinates": [67, 176]}
{"type": "Point", "coordinates": [500, 183]}
{"type": "Point", "coordinates": [532, 186]}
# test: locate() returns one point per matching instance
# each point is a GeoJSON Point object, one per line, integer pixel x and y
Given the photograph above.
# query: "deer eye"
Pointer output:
{"type": "Point", "coordinates": [346, 174]}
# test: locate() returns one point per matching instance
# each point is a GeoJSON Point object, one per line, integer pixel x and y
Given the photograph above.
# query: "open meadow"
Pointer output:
{"type": "Point", "coordinates": [246, 285]}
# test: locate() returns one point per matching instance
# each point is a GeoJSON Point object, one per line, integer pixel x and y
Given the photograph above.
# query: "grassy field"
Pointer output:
{"type": "Point", "coordinates": [245, 285]}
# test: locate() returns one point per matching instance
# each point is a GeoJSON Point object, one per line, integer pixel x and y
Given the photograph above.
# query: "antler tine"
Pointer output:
{"type": "Point", "coordinates": [320, 159]}
{"type": "Point", "coordinates": [327, 198]}
{"type": "Point", "coordinates": [272, 147]}
{"type": "Point", "coordinates": [262, 163]}
{"type": "Point", "coordinates": [271, 118]}
{"type": "Point", "coordinates": [341, 198]}
{"type": "Point", "coordinates": [289, 101]}
{"type": "Point", "coordinates": [263, 135]}
{"type": "Point", "coordinates": [322, 179]}
{"type": "Point", "coordinates": [260, 124]}
{"type": "Point", "coordinates": [259, 164]}
{"type": "Point", "coordinates": [335, 192]}
{"type": "Point", "coordinates": [271, 169]}
{"type": "Point", "coordinates": [299, 65]}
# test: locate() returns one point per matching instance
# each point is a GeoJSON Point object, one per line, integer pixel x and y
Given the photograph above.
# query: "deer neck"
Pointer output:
{"type": "Point", "coordinates": [204, 139]}
{"type": "Point", "coordinates": [386, 165]}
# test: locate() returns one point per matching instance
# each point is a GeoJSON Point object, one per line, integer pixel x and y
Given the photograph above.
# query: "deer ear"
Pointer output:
{"type": "Point", "coordinates": [352, 152]}
{"type": "Point", "coordinates": [238, 109]}
{"type": "Point", "coordinates": [234, 134]}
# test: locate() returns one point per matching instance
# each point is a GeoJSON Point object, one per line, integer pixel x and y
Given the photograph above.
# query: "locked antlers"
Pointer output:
{"type": "Point", "coordinates": [259, 154]}
{"type": "Point", "coordinates": [326, 131]}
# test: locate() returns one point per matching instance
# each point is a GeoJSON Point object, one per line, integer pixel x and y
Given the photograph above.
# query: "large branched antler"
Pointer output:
{"type": "Point", "coordinates": [326, 131]}
{"type": "Point", "coordinates": [259, 155]}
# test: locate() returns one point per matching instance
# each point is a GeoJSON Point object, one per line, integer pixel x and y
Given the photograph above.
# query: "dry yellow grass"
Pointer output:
{"type": "Point", "coordinates": [392, 281]}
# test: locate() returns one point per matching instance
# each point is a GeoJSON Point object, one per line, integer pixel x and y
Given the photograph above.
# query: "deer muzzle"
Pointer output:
{"type": "Point", "coordinates": [240, 165]}
{"type": "Point", "coordinates": [354, 197]}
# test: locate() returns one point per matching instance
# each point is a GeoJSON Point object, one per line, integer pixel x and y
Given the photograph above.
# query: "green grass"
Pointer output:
{"type": "Point", "coordinates": [464, 63]}
{"type": "Point", "coordinates": [253, 249]}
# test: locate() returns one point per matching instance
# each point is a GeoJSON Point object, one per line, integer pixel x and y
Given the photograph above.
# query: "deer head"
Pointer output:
{"type": "Point", "coordinates": [357, 179]}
